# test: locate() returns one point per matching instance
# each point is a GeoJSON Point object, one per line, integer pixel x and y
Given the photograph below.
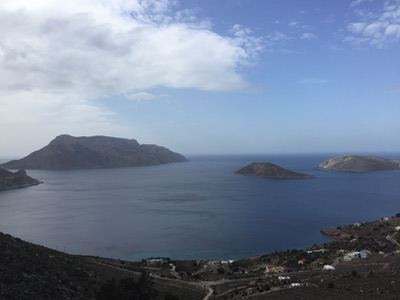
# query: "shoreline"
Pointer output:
{"type": "Point", "coordinates": [357, 248]}
{"type": "Point", "coordinates": [335, 234]}
{"type": "Point", "coordinates": [21, 186]}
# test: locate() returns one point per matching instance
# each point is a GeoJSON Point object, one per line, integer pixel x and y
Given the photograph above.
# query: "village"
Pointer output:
{"type": "Point", "coordinates": [361, 261]}
{"type": "Point", "coordinates": [358, 251]}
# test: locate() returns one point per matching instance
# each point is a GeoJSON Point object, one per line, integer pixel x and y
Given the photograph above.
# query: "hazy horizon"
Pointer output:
{"type": "Point", "coordinates": [200, 77]}
{"type": "Point", "coordinates": [388, 154]}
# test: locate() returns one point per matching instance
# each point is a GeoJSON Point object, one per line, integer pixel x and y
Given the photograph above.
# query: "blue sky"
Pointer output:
{"type": "Point", "coordinates": [249, 77]}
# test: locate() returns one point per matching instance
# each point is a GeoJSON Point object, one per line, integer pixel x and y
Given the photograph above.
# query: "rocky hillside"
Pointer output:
{"type": "Point", "coordinates": [29, 271]}
{"type": "Point", "coordinates": [355, 163]}
{"type": "Point", "coordinates": [68, 152]}
{"type": "Point", "coordinates": [10, 180]}
{"type": "Point", "coordinates": [269, 170]}
{"type": "Point", "coordinates": [362, 262]}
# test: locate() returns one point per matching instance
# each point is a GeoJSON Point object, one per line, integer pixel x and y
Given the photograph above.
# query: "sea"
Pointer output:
{"type": "Point", "coordinates": [195, 210]}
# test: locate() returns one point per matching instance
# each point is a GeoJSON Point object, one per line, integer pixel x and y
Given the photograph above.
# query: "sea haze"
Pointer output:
{"type": "Point", "coordinates": [194, 210]}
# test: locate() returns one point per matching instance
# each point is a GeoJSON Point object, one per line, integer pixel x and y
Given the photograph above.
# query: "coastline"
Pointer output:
{"type": "Point", "coordinates": [21, 186]}
{"type": "Point", "coordinates": [356, 249]}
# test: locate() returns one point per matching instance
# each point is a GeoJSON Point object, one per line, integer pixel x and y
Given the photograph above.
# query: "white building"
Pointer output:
{"type": "Point", "coordinates": [282, 278]}
{"type": "Point", "coordinates": [295, 284]}
{"type": "Point", "coordinates": [351, 255]}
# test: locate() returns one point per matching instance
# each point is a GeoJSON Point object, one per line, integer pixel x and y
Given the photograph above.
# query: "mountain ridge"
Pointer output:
{"type": "Point", "coordinates": [94, 152]}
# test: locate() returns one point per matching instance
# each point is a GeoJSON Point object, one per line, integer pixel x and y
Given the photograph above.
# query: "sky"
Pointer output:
{"type": "Point", "coordinates": [202, 76]}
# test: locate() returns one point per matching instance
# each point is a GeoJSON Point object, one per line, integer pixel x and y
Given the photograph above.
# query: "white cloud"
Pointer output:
{"type": "Point", "coordinates": [140, 96]}
{"type": "Point", "coordinates": [244, 37]}
{"type": "Point", "coordinates": [377, 30]}
{"type": "Point", "coordinates": [74, 52]}
{"type": "Point", "coordinates": [308, 36]}
{"type": "Point", "coordinates": [298, 25]}
{"type": "Point", "coordinates": [358, 2]}
{"type": "Point", "coordinates": [112, 46]}
{"type": "Point", "coordinates": [278, 36]}
{"type": "Point", "coordinates": [30, 119]}
{"type": "Point", "coordinates": [277, 41]}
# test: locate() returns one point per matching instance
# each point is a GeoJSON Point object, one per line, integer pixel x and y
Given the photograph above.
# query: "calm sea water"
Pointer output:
{"type": "Point", "coordinates": [194, 210]}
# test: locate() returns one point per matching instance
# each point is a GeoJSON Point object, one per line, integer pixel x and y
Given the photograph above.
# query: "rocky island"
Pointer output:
{"type": "Point", "coordinates": [10, 180]}
{"type": "Point", "coordinates": [356, 163]}
{"type": "Point", "coordinates": [269, 170]}
{"type": "Point", "coordinates": [67, 152]}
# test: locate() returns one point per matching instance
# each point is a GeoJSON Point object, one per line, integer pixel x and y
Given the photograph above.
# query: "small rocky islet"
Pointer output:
{"type": "Point", "coordinates": [19, 179]}
{"type": "Point", "coordinates": [348, 163]}
{"type": "Point", "coordinates": [358, 163]}
{"type": "Point", "coordinates": [270, 170]}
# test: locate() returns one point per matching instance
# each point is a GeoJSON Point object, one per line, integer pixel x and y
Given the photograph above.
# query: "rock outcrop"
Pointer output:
{"type": "Point", "coordinates": [10, 180]}
{"type": "Point", "coordinates": [67, 152]}
{"type": "Point", "coordinates": [269, 170]}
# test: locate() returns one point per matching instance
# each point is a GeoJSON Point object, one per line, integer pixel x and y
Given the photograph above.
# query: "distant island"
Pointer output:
{"type": "Point", "coordinates": [67, 152]}
{"type": "Point", "coordinates": [356, 163]}
{"type": "Point", "coordinates": [10, 180]}
{"type": "Point", "coordinates": [269, 170]}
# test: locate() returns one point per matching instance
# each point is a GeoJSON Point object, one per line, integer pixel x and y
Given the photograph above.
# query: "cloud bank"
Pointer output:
{"type": "Point", "coordinates": [57, 57]}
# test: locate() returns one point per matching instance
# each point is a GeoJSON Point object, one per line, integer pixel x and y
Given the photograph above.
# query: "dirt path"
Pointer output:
{"type": "Point", "coordinates": [116, 268]}
{"type": "Point", "coordinates": [209, 294]}
{"type": "Point", "coordinates": [391, 238]}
